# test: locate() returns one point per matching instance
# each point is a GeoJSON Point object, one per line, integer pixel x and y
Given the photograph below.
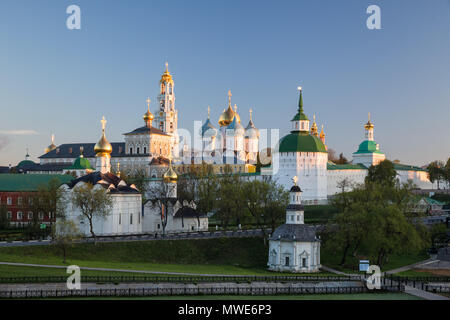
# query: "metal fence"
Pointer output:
{"type": "Point", "coordinates": [185, 291]}
{"type": "Point", "coordinates": [179, 279]}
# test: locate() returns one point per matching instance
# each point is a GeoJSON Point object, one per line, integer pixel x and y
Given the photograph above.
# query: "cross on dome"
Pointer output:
{"type": "Point", "coordinates": [295, 180]}
{"type": "Point", "coordinates": [103, 122]}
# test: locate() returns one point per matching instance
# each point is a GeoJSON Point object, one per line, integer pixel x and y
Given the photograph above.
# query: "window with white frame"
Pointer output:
{"type": "Point", "coordinates": [19, 215]}
{"type": "Point", "coordinates": [9, 201]}
{"type": "Point", "coordinates": [30, 215]}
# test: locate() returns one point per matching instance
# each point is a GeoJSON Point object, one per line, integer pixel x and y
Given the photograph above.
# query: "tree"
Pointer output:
{"type": "Point", "coordinates": [4, 221]}
{"type": "Point", "coordinates": [50, 199]}
{"type": "Point", "coordinates": [342, 159]}
{"type": "Point", "coordinates": [66, 233]}
{"type": "Point", "coordinates": [93, 203]}
{"type": "Point", "coordinates": [230, 198]}
{"type": "Point", "coordinates": [376, 216]}
{"type": "Point", "coordinates": [447, 172]}
{"type": "Point", "coordinates": [158, 195]}
{"type": "Point", "coordinates": [266, 202]}
{"type": "Point", "coordinates": [436, 172]}
{"type": "Point", "coordinates": [383, 173]}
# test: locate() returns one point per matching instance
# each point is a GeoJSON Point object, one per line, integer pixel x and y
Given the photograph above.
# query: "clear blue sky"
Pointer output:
{"type": "Point", "coordinates": [55, 80]}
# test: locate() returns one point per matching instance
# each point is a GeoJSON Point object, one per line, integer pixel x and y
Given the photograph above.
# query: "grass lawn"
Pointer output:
{"type": "Point", "coordinates": [359, 296]}
{"type": "Point", "coordinates": [228, 256]}
{"type": "Point", "coordinates": [352, 263]}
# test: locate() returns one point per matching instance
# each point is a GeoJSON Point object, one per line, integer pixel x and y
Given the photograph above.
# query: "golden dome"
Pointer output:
{"type": "Point", "coordinates": [170, 175]}
{"type": "Point", "coordinates": [102, 147]}
{"type": "Point", "coordinates": [314, 130]}
{"type": "Point", "coordinates": [148, 116]}
{"type": "Point", "coordinates": [166, 76]}
{"type": "Point", "coordinates": [226, 117]}
{"type": "Point", "coordinates": [322, 133]}
{"type": "Point", "coordinates": [52, 146]}
{"type": "Point", "coordinates": [368, 125]}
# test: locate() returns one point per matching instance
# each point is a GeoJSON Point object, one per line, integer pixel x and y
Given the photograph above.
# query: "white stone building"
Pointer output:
{"type": "Point", "coordinates": [294, 245]}
{"type": "Point", "coordinates": [180, 218]}
{"type": "Point", "coordinates": [125, 215]}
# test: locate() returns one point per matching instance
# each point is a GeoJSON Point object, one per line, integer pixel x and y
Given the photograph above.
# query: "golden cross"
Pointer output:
{"type": "Point", "coordinates": [369, 116]}
{"type": "Point", "coordinates": [148, 103]}
{"type": "Point", "coordinates": [235, 107]}
{"type": "Point", "coordinates": [250, 113]}
{"type": "Point", "coordinates": [118, 166]}
{"type": "Point", "coordinates": [209, 111]}
{"type": "Point", "coordinates": [103, 121]}
{"type": "Point", "coordinates": [53, 138]}
{"type": "Point", "coordinates": [295, 179]}
{"type": "Point", "coordinates": [167, 67]}
{"type": "Point", "coordinates": [229, 97]}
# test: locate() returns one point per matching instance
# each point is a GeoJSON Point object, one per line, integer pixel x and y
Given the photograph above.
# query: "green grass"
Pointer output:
{"type": "Point", "coordinates": [228, 256]}
{"type": "Point", "coordinates": [356, 296]}
{"type": "Point", "coordinates": [352, 263]}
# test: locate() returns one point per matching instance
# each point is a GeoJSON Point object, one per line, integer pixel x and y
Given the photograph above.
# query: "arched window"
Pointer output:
{"type": "Point", "coordinates": [145, 150]}
{"type": "Point", "coordinates": [137, 151]}
{"type": "Point", "coordinates": [131, 150]}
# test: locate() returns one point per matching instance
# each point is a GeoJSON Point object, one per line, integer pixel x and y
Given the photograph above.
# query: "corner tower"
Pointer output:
{"type": "Point", "coordinates": [304, 155]}
{"type": "Point", "coordinates": [368, 153]}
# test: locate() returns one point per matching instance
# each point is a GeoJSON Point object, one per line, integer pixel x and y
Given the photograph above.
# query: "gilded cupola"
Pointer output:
{"type": "Point", "coordinates": [103, 147]}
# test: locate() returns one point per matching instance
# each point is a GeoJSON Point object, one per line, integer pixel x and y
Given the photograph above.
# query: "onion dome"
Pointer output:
{"type": "Point", "coordinates": [170, 175]}
{"type": "Point", "coordinates": [52, 146]}
{"type": "Point", "coordinates": [235, 128]}
{"type": "Point", "coordinates": [208, 130]}
{"type": "Point", "coordinates": [103, 147]}
{"type": "Point", "coordinates": [314, 130]}
{"type": "Point", "coordinates": [148, 116]}
{"type": "Point", "coordinates": [322, 134]}
{"type": "Point", "coordinates": [228, 115]}
{"type": "Point", "coordinates": [368, 125]}
{"type": "Point", "coordinates": [251, 131]}
{"type": "Point", "coordinates": [166, 76]}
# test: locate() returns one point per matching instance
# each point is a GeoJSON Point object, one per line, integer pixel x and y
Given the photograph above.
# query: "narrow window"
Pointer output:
{"type": "Point", "coordinates": [286, 261]}
{"type": "Point", "coordinates": [131, 219]}
{"type": "Point", "coordinates": [304, 262]}
{"type": "Point", "coordinates": [137, 150]}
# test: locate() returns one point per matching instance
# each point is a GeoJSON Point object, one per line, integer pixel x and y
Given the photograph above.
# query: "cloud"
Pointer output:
{"type": "Point", "coordinates": [18, 132]}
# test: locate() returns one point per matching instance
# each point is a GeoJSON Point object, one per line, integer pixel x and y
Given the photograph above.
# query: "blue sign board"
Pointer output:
{"type": "Point", "coordinates": [363, 265]}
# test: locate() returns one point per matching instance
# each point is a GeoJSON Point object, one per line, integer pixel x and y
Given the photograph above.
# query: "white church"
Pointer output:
{"type": "Point", "coordinates": [294, 245]}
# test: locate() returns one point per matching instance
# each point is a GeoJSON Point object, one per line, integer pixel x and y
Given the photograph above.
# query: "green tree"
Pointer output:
{"type": "Point", "coordinates": [93, 203]}
{"type": "Point", "coordinates": [50, 199]}
{"type": "Point", "coordinates": [266, 202]}
{"type": "Point", "coordinates": [436, 172]}
{"type": "Point", "coordinates": [383, 173]}
{"type": "Point", "coordinates": [4, 221]}
{"type": "Point", "coordinates": [66, 233]}
{"type": "Point", "coordinates": [139, 177]}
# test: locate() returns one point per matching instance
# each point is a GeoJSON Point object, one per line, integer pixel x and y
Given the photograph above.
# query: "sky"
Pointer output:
{"type": "Point", "coordinates": [59, 81]}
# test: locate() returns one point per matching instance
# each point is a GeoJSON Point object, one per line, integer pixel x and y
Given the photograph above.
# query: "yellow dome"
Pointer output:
{"type": "Point", "coordinates": [368, 125]}
{"type": "Point", "coordinates": [52, 146]}
{"type": "Point", "coordinates": [148, 116]}
{"type": "Point", "coordinates": [226, 117]}
{"type": "Point", "coordinates": [170, 175]}
{"type": "Point", "coordinates": [166, 76]}
{"type": "Point", "coordinates": [102, 147]}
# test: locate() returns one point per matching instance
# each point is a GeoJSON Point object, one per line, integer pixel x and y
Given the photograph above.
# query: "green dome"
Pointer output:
{"type": "Point", "coordinates": [299, 141]}
{"type": "Point", "coordinates": [368, 146]}
{"type": "Point", "coordinates": [81, 163]}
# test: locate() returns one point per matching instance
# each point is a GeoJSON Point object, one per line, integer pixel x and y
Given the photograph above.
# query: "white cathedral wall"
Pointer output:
{"type": "Point", "coordinates": [335, 176]}
{"type": "Point", "coordinates": [152, 221]}
{"type": "Point", "coordinates": [419, 178]}
{"type": "Point", "coordinates": [368, 159]}
{"type": "Point", "coordinates": [119, 220]}
{"type": "Point", "coordinates": [311, 170]}
{"type": "Point", "coordinates": [296, 251]}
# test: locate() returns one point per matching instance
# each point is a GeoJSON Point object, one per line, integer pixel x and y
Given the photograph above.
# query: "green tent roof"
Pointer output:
{"type": "Point", "coordinates": [299, 141]}
{"type": "Point", "coordinates": [300, 114]}
{"type": "Point", "coordinates": [80, 163]}
{"type": "Point", "coordinates": [29, 182]}
{"type": "Point", "coordinates": [368, 146]}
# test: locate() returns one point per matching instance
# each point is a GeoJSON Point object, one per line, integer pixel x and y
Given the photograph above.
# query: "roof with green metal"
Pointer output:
{"type": "Point", "coordinates": [300, 141]}
{"type": "Point", "coordinates": [348, 166]}
{"type": "Point", "coordinates": [80, 163]}
{"type": "Point", "coordinates": [29, 182]}
{"type": "Point", "coordinates": [368, 146]}
{"type": "Point", "coordinates": [406, 167]}
{"type": "Point", "coordinates": [431, 201]}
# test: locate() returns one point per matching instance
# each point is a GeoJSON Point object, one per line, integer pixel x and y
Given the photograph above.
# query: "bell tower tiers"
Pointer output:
{"type": "Point", "coordinates": [166, 116]}
{"type": "Point", "coordinates": [294, 211]}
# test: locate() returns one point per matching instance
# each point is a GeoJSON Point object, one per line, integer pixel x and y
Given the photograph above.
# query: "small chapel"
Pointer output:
{"type": "Point", "coordinates": [294, 246]}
